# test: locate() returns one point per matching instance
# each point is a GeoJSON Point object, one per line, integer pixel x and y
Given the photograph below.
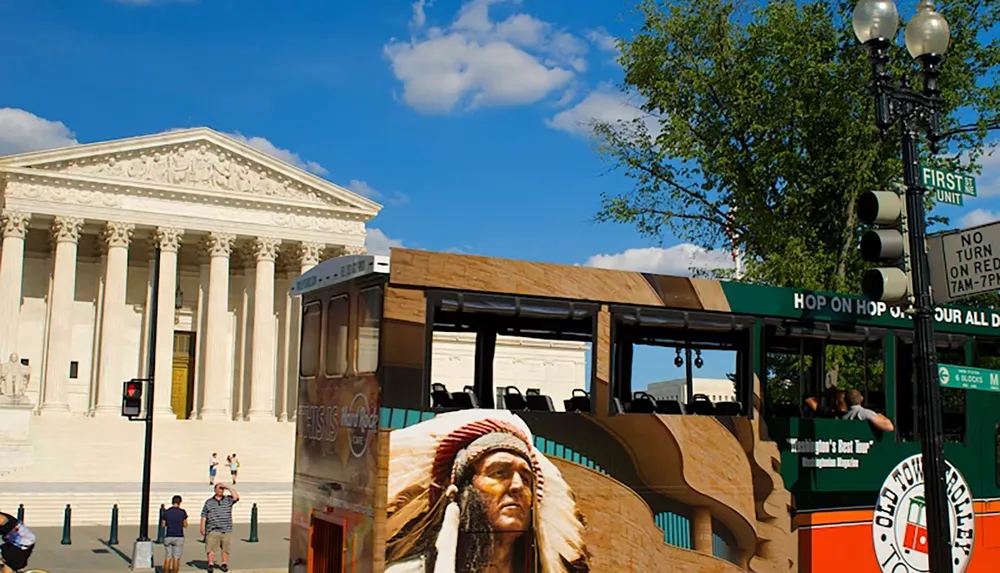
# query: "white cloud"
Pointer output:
{"type": "Point", "coordinates": [22, 132]}
{"type": "Point", "coordinates": [479, 62]}
{"type": "Point", "coordinates": [988, 181]}
{"type": "Point", "coordinates": [603, 40]}
{"type": "Point", "coordinates": [978, 217]}
{"type": "Point", "coordinates": [262, 144]}
{"type": "Point", "coordinates": [365, 190]}
{"type": "Point", "coordinates": [676, 260]}
{"type": "Point", "coordinates": [602, 105]}
{"type": "Point", "coordinates": [378, 243]}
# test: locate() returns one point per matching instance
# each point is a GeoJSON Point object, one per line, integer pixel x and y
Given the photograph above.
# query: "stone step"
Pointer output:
{"type": "Point", "coordinates": [94, 508]}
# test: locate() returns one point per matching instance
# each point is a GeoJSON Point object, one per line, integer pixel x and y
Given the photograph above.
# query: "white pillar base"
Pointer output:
{"type": "Point", "coordinates": [216, 415]}
{"type": "Point", "coordinates": [142, 556]}
{"type": "Point", "coordinates": [55, 408]}
{"type": "Point", "coordinates": [261, 416]}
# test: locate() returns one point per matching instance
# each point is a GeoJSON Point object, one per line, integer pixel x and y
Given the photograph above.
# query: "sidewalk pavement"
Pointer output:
{"type": "Point", "coordinates": [90, 552]}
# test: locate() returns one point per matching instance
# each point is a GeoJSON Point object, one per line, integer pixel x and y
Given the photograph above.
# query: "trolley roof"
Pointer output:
{"type": "Point", "coordinates": [340, 270]}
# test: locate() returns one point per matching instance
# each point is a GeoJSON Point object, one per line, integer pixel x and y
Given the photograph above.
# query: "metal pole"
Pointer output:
{"type": "Point", "coordinates": [147, 457]}
{"type": "Point", "coordinates": [688, 374]}
{"type": "Point", "coordinates": [925, 365]}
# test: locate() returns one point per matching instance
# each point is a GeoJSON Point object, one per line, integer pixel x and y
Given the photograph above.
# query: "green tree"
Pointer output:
{"type": "Point", "coordinates": [765, 127]}
{"type": "Point", "coordinates": [764, 133]}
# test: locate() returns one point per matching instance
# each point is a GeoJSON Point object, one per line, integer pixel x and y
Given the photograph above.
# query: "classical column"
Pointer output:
{"type": "Point", "coordinates": [199, 353]}
{"type": "Point", "coordinates": [264, 342]}
{"type": "Point", "coordinates": [309, 255]}
{"type": "Point", "coordinates": [217, 386]}
{"type": "Point", "coordinates": [117, 237]}
{"type": "Point", "coordinates": [15, 227]}
{"type": "Point", "coordinates": [59, 332]}
{"type": "Point", "coordinates": [244, 258]}
{"type": "Point", "coordinates": [169, 241]}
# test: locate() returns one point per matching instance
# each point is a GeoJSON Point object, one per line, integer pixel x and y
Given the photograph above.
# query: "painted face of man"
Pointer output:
{"type": "Point", "coordinates": [506, 482]}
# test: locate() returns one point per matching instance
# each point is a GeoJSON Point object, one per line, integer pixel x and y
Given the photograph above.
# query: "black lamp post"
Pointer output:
{"type": "Point", "coordinates": [917, 112]}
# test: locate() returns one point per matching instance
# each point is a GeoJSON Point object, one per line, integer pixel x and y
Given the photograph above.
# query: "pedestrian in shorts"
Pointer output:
{"type": "Point", "coordinates": [175, 520]}
{"type": "Point", "coordinates": [217, 524]}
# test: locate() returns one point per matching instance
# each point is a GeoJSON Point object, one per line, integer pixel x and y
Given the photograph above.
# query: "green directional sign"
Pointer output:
{"type": "Point", "coordinates": [969, 378]}
{"type": "Point", "coordinates": [948, 187]}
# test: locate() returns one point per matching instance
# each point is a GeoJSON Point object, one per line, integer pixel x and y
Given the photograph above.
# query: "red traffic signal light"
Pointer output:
{"type": "Point", "coordinates": [132, 398]}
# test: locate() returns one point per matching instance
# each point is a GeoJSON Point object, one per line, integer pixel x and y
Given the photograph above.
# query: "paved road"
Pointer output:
{"type": "Point", "coordinates": [90, 552]}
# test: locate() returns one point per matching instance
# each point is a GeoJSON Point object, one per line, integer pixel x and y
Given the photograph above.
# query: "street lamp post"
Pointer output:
{"type": "Point", "coordinates": [927, 37]}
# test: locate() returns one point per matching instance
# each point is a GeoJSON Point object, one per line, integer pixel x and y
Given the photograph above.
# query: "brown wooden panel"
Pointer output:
{"type": "Point", "coordinates": [601, 390]}
{"type": "Point", "coordinates": [405, 304]}
{"type": "Point", "coordinates": [485, 274]}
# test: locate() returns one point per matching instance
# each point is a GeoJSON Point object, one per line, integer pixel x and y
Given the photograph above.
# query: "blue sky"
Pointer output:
{"type": "Point", "coordinates": [462, 118]}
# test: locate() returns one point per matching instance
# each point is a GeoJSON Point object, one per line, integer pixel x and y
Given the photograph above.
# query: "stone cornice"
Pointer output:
{"type": "Point", "coordinates": [193, 136]}
{"type": "Point", "coordinates": [93, 184]}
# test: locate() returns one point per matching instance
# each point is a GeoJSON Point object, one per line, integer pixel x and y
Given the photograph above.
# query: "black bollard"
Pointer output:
{"type": "Point", "coordinates": [159, 526]}
{"type": "Point", "coordinates": [253, 525]}
{"type": "Point", "coordinates": [20, 512]}
{"type": "Point", "coordinates": [113, 535]}
{"type": "Point", "coordinates": [67, 516]}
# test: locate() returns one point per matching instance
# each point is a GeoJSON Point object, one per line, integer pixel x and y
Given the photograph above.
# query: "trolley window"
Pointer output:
{"type": "Point", "coordinates": [337, 319]}
{"type": "Point", "coordinates": [312, 330]}
{"type": "Point", "coordinates": [369, 318]}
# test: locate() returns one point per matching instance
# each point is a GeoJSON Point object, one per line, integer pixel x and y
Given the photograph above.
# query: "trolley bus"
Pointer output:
{"type": "Point", "coordinates": [396, 471]}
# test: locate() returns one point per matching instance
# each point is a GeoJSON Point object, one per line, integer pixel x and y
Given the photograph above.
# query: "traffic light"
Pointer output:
{"type": "Point", "coordinates": [132, 398]}
{"type": "Point", "coordinates": [886, 243]}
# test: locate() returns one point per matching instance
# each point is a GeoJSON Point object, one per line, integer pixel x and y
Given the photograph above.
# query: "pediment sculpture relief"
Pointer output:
{"type": "Point", "coordinates": [197, 165]}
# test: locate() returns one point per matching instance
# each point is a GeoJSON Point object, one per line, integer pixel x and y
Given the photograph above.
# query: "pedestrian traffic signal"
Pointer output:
{"type": "Point", "coordinates": [887, 243]}
{"type": "Point", "coordinates": [132, 398]}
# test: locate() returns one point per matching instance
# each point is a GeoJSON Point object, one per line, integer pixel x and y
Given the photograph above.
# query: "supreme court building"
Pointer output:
{"type": "Point", "coordinates": [234, 227]}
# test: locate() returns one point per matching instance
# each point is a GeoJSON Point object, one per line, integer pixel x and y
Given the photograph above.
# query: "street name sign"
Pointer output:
{"type": "Point", "coordinates": [948, 181]}
{"type": "Point", "coordinates": [968, 377]}
{"type": "Point", "coordinates": [964, 263]}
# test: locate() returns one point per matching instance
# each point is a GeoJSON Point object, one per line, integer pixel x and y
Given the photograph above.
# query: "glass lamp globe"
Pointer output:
{"type": "Point", "coordinates": [874, 19]}
{"type": "Point", "coordinates": [928, 32]}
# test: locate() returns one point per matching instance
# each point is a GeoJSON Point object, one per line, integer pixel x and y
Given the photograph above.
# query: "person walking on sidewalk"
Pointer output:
{"type": "Point", "coordinates": [175, 520]}
{"type": "Point", "coordinates": [217, 524]}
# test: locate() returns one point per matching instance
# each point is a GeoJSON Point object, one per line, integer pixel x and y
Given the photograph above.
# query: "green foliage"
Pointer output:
{"type": "Point", "coordinates": [765, 126]}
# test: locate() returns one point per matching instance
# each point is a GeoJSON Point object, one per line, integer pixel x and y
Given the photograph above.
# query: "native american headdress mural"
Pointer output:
{"type": "Point", "coordinates": [426, 461]}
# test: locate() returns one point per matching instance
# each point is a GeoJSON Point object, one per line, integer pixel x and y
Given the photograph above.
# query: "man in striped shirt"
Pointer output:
{"type": "Point", "coordinates": [217, 524]}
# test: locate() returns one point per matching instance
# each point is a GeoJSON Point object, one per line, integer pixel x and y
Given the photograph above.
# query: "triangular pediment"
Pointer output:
{"type": "Point", "coordinates": [199, 158]}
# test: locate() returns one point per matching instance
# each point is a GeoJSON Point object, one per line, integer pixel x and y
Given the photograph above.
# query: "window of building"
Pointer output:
{"type": "Point", "coordinates": [312, 329]}
{"type": "Point", "coordinates": [369, 319]}
{"type": "Point", "coordinates": [337, 335]}
{"type": "Point", "coordinates": [804, 365]}
{"type": "Point", "coordinates": [676, 362]}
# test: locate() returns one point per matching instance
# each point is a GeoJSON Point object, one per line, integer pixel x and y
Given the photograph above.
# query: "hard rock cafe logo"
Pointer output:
{"type": "Point", "coordinates": [361, 422]}
{"type": "Point", "coordinates": [324, 423]}
{"type": "Point", "coordinates": [899, 527]}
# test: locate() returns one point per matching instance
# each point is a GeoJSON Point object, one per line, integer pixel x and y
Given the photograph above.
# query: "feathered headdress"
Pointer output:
{"type": "Point", "coordinates": [425, 459]}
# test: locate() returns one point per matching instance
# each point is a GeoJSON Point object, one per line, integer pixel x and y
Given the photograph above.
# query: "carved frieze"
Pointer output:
{"type": "Point", "coordinates": [315, 223]}
{"type": "Point", "coordinates": [15, 223]}
{"type": "Point", "coordinates": [117, 234]}
{"type": "Point", "coordinates": [194, 165]}
{"type": "Point", "coordinates": [42, 192]}
{"type": "Point", "coordinates": [354, 250]}
{"type": "Point", "coordinates": [66, 229]}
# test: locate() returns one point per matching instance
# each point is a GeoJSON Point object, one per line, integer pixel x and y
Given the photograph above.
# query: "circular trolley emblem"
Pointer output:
{"type": "Point", "coordinates": [362, 422]}
{"type": "Point", "coordinates": [899, 527]}
{"type": "Point", "coordinates": [944, 375]}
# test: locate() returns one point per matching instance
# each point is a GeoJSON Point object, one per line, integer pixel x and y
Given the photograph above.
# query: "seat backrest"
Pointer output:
{"type": "Point", "coordinates": [670, 407]}
{"type": "Point", "coordinates": [700, 405]}
{"type": "Point", "coordinates": [577, 403]}
{"type": "Point", "coordinates": [440, 396]}
{"type": "Point", "coordinates": [466, 399]}
{"type": "Point", "coordinates": [641, 403]}
{"type": "Point", "coordinates": [513, 400]}
{"type": "Point", "coordinates": [729, 409]}
{"type": "Point", "coordinates": [539, 403]}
